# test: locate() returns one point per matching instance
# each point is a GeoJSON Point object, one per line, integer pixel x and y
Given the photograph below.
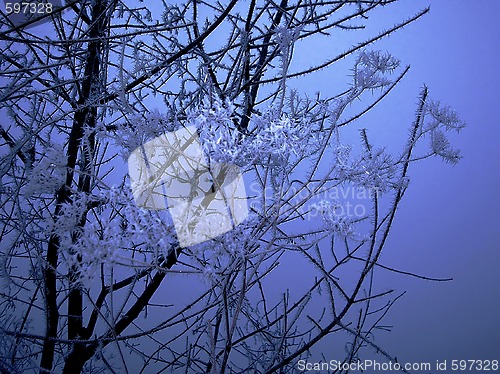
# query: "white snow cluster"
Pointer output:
{"type": "Point", "coordinates": [49, 173]}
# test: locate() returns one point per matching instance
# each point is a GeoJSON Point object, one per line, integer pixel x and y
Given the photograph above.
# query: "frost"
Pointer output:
{"type": "Point", "coordinates": [74, 234]}
{"type": "Point", "coordinates": [49, 174]}
{"type": "Point", "coordinates": [172, 16]}
{"type": "Point", "coordinates": [220, 257]}
{"type": "Point", "coordinates": [150, 233]}
{"type": "Point", "coordinates": [285, 36]}
{"type": "Point", "coordinates": [374, 170]}
{"type": "Point", "coordinates": [341, 154]}
{"type": "Point", "coordinates": [140, 128]}
{"type": "Point", "coordinates": [441, 146]}
{"type": "Point", "coordinates": [334, 218]}
{"type": "Point", "coordinates": [439, 120]}
{"type": "Point", "coordinates": [370, 67]}
{"type": "Point", "coordinates": [443, 115]}
{"type": "Point", "coordinates": [218, 134]}
{"type": "Point", "coordinates": [274, 139]}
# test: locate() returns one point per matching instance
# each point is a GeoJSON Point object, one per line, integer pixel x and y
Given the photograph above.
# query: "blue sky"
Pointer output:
{"type": "Point", "coordinates": [449, 225]}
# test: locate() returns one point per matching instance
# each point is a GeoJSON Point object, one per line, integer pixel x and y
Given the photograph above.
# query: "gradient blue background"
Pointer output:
{"type": "Point", "coordinates": [449, 223]}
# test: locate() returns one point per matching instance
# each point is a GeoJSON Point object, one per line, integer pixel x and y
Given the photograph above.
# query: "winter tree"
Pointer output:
{"type": "Point", "coordinates": [94, 281]}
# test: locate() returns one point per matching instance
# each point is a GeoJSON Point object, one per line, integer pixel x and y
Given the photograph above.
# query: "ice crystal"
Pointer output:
{"type": "Point", "coordinates": [371, 67]}
{"type": "Point", "coordinates": [49, 174]}
{"type": "Point", "coordinates": [441, 146]}
{"type": "Point", "coordinates": [374, 170]}
{"type": "Point", "coordinates": [335, 220]}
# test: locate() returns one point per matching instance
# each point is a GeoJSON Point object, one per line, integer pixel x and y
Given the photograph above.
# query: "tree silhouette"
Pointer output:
{"type": "Point", "coordinates": [83, 266]}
